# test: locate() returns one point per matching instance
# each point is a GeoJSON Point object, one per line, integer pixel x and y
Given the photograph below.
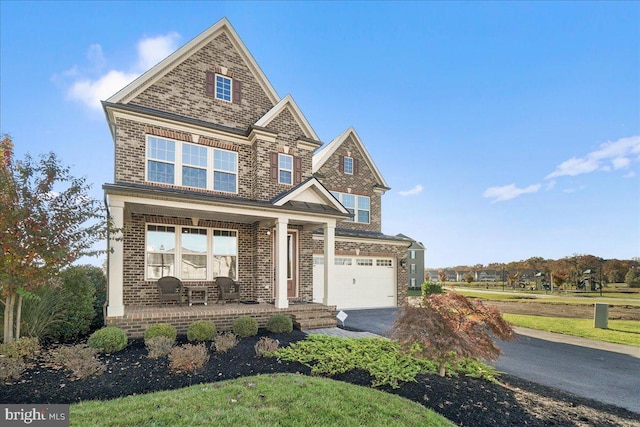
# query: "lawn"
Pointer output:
{"type": "Point", "coordinates": [619, 332]}
{"type": "Point", "coordinates": [577, 298]}
{"type": "Point", "coordinates": [282, 399]}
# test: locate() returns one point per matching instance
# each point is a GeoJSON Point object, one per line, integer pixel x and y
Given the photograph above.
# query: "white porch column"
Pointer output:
{"type": "Point", "coordinates": [329, 262]}
{"type": "Point", "coordinates": [115, 305]}
{"type": "Point", "coordinates": [281, 263]}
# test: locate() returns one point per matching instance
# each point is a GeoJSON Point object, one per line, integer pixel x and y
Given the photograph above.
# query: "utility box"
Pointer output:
{"type": "Point", "coordinates": [601, 316]}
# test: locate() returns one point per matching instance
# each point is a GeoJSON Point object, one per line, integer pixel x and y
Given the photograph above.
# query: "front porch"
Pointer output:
{"type": "Point", "coordinates": [137, 319]}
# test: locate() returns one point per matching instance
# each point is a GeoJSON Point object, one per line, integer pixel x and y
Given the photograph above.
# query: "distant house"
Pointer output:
{"type": "Point", "coordinates": [415, 263]}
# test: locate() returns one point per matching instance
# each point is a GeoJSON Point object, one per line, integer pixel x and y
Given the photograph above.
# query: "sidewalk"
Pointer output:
{"type": "Point", "coordinates": [630, 350]}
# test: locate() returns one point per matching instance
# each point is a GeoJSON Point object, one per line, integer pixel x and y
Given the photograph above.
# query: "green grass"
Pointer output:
{"type": "Point", "coordinates": [274, 400]}
{"type": "Point", "coordinates": [586, 298]}
{"type": "Point", "coordinates": [619, 332]}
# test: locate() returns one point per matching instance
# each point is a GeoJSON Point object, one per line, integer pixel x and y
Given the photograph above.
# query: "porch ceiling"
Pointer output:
{"type": "Point", "coordinates": [136, 208]}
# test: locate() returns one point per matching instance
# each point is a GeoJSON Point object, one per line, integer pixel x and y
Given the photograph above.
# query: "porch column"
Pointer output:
{"type": "Point", "coordinates": [281, 263]}
{"type": "Point", "coordinates": [115, 306]}
{"type": "Point", "coordinates": [329, 261]}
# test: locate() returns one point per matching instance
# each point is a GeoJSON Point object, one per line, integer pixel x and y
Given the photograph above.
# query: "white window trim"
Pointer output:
{"type": "Point", "coordinates": [286, 170]}
{"type": "Point", "coordinates": [338, 195]}
{"type": "Point", "coordinates": [215, 87]}
{"type": "Point", "coordinates": [178, 164]}
{"type": "Point", "coordinates": [345, 165]}
{"type": "Point", "coordinates": [177, 253]}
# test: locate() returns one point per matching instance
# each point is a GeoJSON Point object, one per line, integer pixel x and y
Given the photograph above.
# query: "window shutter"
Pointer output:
{"type": "Point", "coordinates": [274, 166]}
{"type": "Point", "coordinates": [356, 166]}
{"type": "Point", "coordinates": [297, 170]}
{"type": "Point", "coordinates": [210, 83]}
{"type": "Point", "coordinates": [237, 91]}
{"type": "Point", "coordinates": [341, 164]}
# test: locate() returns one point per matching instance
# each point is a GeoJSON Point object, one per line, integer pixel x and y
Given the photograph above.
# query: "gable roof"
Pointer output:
{"type": "Point", "coordinates": [312, 194]}
{"type": "Point", "coordinates": [176, 58]}
{"type": "Point", "coordinates": [323, 155]}
{"type": "Point", "coordinates": [288, 103]}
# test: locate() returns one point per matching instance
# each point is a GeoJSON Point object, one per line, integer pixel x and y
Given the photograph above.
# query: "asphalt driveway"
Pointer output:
{"type": "Point", "coordinates": [582, 367]}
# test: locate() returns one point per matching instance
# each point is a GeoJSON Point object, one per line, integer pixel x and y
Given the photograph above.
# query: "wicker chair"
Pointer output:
{"type": "Point", "coordinates": [170, 289]}
{"type": "Point", "coordinates": [229, 289]}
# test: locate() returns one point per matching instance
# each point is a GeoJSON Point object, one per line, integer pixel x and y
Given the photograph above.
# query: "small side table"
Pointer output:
{"type": "Point", "coordinates": [202, 289]}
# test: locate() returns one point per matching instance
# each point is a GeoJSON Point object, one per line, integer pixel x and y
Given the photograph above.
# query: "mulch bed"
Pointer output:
{"type": "Point", "coordinates": [465, 401]}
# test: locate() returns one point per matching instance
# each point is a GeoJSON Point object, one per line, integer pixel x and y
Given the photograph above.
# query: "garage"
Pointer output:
{"type": "Point", "coordinates": [359, 282]}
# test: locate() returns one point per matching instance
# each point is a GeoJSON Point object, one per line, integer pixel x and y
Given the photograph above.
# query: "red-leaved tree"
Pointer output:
{"type": "Point", "coordinates": [47, 221]}
{"type": "Point", "coordinates": [449, 327]}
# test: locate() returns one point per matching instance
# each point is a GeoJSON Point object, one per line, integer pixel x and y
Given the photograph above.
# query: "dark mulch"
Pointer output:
{"type": "Point", "coordinates": [465, 401]}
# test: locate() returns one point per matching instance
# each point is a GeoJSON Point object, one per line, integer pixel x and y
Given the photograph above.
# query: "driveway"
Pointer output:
{"type": "Point", "coordinates": [609, 376]}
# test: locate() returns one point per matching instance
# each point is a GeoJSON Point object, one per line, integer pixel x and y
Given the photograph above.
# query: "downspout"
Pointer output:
{"type": "Point", "coordinates": [106, 300]}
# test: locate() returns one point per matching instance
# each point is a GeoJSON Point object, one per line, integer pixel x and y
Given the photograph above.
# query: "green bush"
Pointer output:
{"type": "Point", "coordinates": [161, 330]}
{"type": "Point", "coordinates": [245, 326]}
{"type": "Point", "coordinates": [99, 281]}
{"type": "Point", "coordinates": [108, 340]}
{"type": "Point", "coordinates": [429, 288]}
{"type": "Point", "coordinates": [42, 314]}
{"type": "Point", "coordinates": [201, 330]}
{"type": "Point", "coordinates": [632, 278]}
{"type": "Point", "coordinates": [280, 324]}
{"type": "Point", "coordinates": [78, 297]}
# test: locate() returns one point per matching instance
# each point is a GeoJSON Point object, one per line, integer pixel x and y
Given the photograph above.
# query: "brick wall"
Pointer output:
{"type": "Point", "coordinates": [361, 184]}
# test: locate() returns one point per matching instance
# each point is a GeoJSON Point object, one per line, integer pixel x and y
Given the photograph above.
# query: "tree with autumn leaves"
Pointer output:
{"type": "Point", "coordinates": [449, 328]}
{"type": "Point", "coordinates": [48, 221]}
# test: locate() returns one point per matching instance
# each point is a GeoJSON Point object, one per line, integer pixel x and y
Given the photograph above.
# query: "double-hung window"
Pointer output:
{"type": "Point", "coordinates": [359, 206]}
{"type": "Point", "coordinates": [223, 88]}
{"type": "Point", "coordinates": [285, 169]}
{"type": "Point", "coordinates": [348, 165]}
{"type": "Point", "coordinates": [191, 165]}
{"type": "Point", "coordinates": [161, 157]}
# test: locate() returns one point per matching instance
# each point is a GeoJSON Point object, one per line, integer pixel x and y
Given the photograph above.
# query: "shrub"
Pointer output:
{"type": "Point", "coordinates": [632, 278]}
{"type": "Point", "coordinates": [429, 288]}
{"type": "Point", "coordinates": [188, 358]}
{"type": "Point", "coordinates": [21, 348]}
{"type": "Point", "coordinates": [108, 340]}
{"type": "Point", "coordinates": [11, 368]}
{"type": "Point", "coordinates": [161, 330]}
{"type": "Point", "coordinates": [280, 324]}
{"type": "Point", "coordinates": [99, 282]}
{"type": "Point", "coordinates": [201, 330]}
{"type": "Point", "coordinates": [42, 314]}
{"type": "Point", "coordinates": [245, 326]}
{"type": "Point", "coordinates": [266, 346]}
{"type": "Point", "coordinates": [78, 297]}
{"type": "Point", "coordinates": [159, 346]}
{"type": "Point", "coordinates": [81, 360]}
{"type": "Point", "coordinates": [225, 342]}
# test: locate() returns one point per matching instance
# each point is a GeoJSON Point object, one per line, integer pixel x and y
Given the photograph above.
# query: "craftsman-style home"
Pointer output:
{"type": "Point", "coordinates": [216, 175]}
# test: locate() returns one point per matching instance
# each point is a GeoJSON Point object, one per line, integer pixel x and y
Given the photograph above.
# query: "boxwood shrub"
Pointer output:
{"type": "Point", "coordinates": [161, 330]}
{"type": "Point", "coordinates": [245, 326]}
{"type": "Point", "coordinates": [201, 330]}
{"type": "Point", "coordinates": [108, 340]}
{"type": "Point", "coordinates": [280, 324]}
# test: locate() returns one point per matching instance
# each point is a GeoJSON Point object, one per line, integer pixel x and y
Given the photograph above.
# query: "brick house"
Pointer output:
{"type": "Point", "coordinates": [216, 175]}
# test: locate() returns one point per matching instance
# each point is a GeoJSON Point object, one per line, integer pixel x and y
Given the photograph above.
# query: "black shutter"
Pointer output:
{"type": "Point", "coordinates": [210, 83]}
{"type": "Point", "coordinates": [274, 166]}
{"type": "Point", "coordinates": [237, 91]}
{"type": "Point", "coordinates": [356, 166]}
{"type": "Point", "coordinates": [297, 170]}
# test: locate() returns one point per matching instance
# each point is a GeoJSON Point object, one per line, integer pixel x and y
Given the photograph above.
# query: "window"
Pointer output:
{"type": "Point", "coordinates": [225, 168]}
{"type": "Point", "coordinates": [194, 165]}
{"type": "Point", "coordinates": [360, 206]}
{"type": "Point", "coordinates": [365, 262]}
{"type": "Point", "coordinates": [285, 169]}
{"type": "Point", "coordinates": [342, 261]}
{"type": "Point", "coordinates": [204, 253]}
{"type": "Point", "coordinates": [413, 282]}
{"type": "Point", "coordinates": [384, 263]}
{"type": "Point", "coordinates": [412, 254]}
{"type": "Point", "coordinates": [190, 165]}
{"type": "Point", "coordinates": [161, 156]}
{"type": "Point", "coordinates": [412, 269]}
{"type": "Point", "coordinates": [223, 88]}
{"type": "Point", "coordinates": [348, 165]}
{"type": "Point", "coordinates": [318, 260]}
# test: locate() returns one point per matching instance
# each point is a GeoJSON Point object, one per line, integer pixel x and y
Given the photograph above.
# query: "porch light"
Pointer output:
{"type": "Point", "coordinates": [403, 263]}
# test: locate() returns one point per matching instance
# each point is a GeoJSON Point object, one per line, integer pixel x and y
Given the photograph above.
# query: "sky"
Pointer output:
{"type": "Point", "coordinates": [506, 130]}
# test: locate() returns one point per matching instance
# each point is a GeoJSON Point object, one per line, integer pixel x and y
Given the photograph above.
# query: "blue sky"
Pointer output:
{"type": "Point", "coordinates": [506, 130]}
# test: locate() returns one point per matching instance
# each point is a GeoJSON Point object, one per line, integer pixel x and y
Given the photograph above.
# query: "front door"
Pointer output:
{"type": "Point", "coordinates": [292, 264]}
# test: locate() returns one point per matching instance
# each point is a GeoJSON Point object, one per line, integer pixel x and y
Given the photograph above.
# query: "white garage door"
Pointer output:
{"type": "Point", "coordinates": [359, 282]}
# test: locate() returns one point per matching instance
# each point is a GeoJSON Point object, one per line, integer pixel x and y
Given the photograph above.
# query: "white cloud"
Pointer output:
{"type": "Point", "coordinates": [415, 190]}
{"type": "Point", "coordinates": [550, 185]}
{"type": "Point", "coordinates": [616, 155]}
{"type": "Point", "coordinates": [630, 174]}
{"type": "Point", "coordinates": [91, 90]}
{"type": "Point", "coordinates": [508, 192]}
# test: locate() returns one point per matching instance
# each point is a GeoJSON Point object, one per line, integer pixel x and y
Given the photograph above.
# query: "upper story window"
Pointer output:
{"type": "Point", "coordinates": [412, 254]}
{"type": "Point", "coordinates": [348, 165]}
{"type": "Point", "coordinates": [359, 206]}
{"type": "Point", "coordinates": [285, 169]}
{"type": "Point", "coordinates": [223, 88]}
{"type": "Point", "coordinates": [191, 165]}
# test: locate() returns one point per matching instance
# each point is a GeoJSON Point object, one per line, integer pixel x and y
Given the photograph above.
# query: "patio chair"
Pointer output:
{"type": "Point", "coordinates": [229, 289]}
{"type": "Point", "coordinates": [170, 289]}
